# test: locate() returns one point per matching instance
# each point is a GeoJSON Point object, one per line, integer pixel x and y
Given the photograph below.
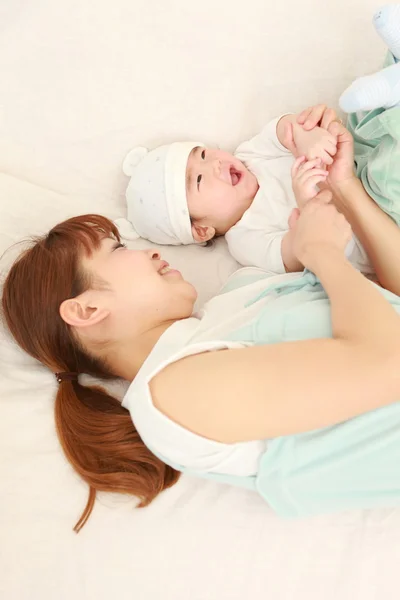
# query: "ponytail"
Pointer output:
{"type": "Point", "coordinates": [101, 442]}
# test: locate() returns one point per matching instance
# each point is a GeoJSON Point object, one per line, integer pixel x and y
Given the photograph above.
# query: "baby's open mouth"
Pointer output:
{"type": "Point", "coordinates": [235, 176]}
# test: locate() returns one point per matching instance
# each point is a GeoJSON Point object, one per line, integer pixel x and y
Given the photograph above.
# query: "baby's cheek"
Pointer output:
{"type": "Point", "coordinates": [222, 198]}
{"type": "Point", "coordinates": [195, 206]}
{"type": "Point", "coordinates": [190, 201]}
{"type": "Point", "coordinates": [228, 203]}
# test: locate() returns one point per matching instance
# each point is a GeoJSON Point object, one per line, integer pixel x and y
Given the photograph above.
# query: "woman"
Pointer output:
{"type": "Point", "coordinates": [79, 302]}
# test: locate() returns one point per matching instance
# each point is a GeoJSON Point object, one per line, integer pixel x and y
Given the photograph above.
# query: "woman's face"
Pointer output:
{"type": "Point", "coordinates": [137, 287]}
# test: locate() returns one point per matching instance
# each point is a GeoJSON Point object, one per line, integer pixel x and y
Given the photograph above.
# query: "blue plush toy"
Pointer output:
{"type": "Point", "coordinates": [381, 90]}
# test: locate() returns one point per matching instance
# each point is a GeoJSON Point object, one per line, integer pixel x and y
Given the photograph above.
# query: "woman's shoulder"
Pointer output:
{"type": "Point", "coordinates": [178, 342]}
{"type": "Point", "coordinates": [145, 396]}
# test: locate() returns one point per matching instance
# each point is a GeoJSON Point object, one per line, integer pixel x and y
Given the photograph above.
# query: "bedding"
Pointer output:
{"type": "Point", "coordinates": [81, 83]}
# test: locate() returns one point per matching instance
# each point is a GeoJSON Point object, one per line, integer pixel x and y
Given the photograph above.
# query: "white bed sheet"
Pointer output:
{"type": "Point", "coordinates": [82, 82]}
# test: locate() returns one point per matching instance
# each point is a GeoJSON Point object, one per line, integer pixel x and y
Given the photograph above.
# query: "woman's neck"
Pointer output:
{"type": "Point", "coordinates": [127, 358]}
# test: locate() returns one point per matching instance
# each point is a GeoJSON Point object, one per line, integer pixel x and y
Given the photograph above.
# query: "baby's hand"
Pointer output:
{"type": "Point", "coordinates": [317, 143]}
{"type": "Point", "coordinates": [306, 175]}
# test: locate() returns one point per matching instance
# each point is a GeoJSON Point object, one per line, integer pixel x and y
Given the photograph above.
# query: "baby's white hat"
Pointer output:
{"type": "Point", "coordinates": [156, 194]}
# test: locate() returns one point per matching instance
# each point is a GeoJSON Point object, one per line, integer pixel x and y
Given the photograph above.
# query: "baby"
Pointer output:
{"type": "Point", "coordinates": [186, 193]}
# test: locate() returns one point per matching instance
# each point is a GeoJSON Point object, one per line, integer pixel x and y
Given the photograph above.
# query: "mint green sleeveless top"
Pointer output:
{"type": "Point", "coordinates": [355, 464]}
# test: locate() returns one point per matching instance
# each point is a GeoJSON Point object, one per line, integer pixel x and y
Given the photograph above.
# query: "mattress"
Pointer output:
{"type": "Point", "coordinates": [81, 83]}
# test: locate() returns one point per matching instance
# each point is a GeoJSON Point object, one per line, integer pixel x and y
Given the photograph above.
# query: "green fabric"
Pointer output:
{"type": "Point", "coordinates": [377, 154]}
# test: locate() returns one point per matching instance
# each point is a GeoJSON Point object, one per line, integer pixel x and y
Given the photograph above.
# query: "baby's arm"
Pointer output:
{"type": "Point", "coordinates": [265, 145]}
{"type": "Point", "coordinates": [268, 250]}
{"type": "Point", "coordinates": [287, 135]}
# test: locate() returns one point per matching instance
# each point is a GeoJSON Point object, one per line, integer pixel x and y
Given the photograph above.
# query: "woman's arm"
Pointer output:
{"type": "Point", "coordinates": [379, 235]}
{"type": "Point", "coordinates": [281, 389]}
{"type": "Point", "coordinates": [377, 232]}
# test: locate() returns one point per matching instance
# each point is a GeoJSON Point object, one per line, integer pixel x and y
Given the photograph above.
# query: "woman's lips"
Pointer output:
{"type": "Point", "coordinates": [165, 269]}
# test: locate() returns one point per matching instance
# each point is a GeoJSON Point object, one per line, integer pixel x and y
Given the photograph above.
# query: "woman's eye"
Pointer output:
{"type": "Point", "coordinates": [119, 245]}
{"type": "Point", "coordinates": [203, 154]}
{"type": "Point", "coordinates": [199, 178]}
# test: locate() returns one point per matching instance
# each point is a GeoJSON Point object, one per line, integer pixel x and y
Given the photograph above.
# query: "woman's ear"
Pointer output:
{"type": "Point", "coordinates": [83, 311]}
{"type": "Point", "coordinates": [202, 233]}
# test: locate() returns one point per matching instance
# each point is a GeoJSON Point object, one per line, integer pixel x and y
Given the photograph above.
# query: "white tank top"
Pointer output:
{"type": "Point", "coordinates": [204, 331]}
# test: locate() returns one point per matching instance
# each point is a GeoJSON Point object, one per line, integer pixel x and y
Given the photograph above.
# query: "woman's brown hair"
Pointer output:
{"type": "Point", "coordinates": [95, 431]}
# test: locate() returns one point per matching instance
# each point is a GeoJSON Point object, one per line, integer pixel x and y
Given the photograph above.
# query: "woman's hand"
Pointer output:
{"type": "Point", "coordinates": [319, 228]}
{"type": "Point", "coordinates": [342, 168]}
{"type": "Point", "coordinates": [319, 114]}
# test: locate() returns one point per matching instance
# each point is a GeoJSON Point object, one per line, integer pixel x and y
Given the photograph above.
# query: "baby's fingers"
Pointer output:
{"type": "Point", "coordinates": [296, 165]}
{"type": "Point", "coordinates": [313, 173]}
{"type": "Point", "coordinates": [314, 180]}
{"type": "Point", "coordinates": [309, 165]}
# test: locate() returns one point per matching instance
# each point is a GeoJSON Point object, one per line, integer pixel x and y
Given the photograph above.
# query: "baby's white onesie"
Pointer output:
{"type": "Point", "coordinates": [256, 239]}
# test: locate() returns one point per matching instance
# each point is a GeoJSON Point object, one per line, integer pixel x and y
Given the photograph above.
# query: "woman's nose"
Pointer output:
{"type": "Point", "coordinates": [153, 253]}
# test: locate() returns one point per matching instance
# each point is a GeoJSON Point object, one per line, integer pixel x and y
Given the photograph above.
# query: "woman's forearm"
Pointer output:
{"type": "Point", "coordinates": [377, 232]}
{"type": "Point", "coordinates": [360, 313]}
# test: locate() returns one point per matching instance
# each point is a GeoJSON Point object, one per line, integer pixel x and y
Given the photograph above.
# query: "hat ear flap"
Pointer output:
{"type": "Point", "coordinates": [132, 159]}
{"type": "Point", "coordinates": [126, 229]}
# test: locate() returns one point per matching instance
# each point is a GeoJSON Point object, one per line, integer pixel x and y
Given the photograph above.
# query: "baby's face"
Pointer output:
{"type": "Point", "coordinates": [219, 190]}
